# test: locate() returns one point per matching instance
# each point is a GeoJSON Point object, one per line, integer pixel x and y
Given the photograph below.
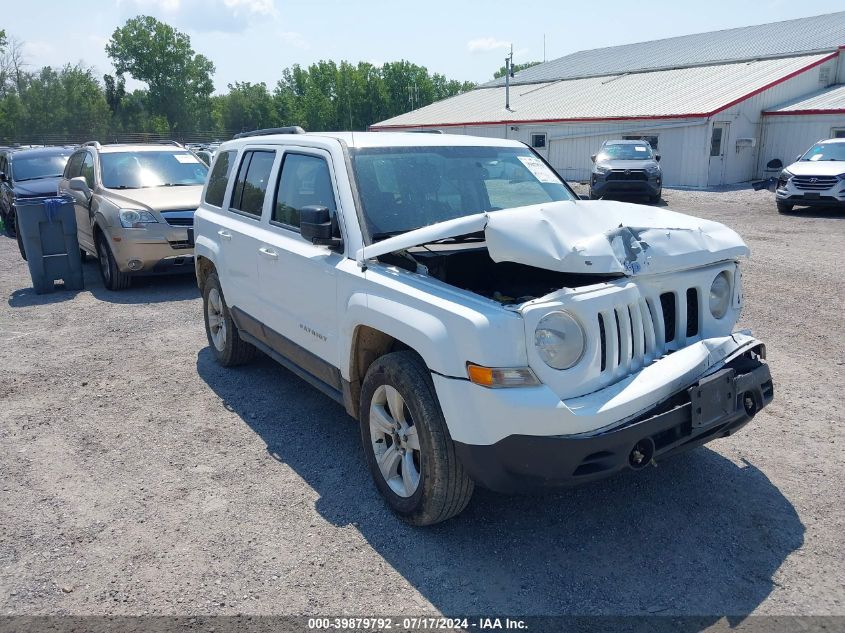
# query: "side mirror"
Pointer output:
{"type": "Point", "coordinates": [657, 157]}
{"type": "Point", "coordinates": [593, 157]}
{"type": "Point", "coordinates": [3, 176]}
{"type": "Point", "coordinates": [81, 185]}
{"type": "Point", "coordinates": [318, 227]}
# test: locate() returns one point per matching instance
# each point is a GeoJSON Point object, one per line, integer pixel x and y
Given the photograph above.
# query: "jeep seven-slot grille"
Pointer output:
{"type": "Point", "coordinates": [633, 334]}
{"type": "Point", "coordinates": [814, 183]}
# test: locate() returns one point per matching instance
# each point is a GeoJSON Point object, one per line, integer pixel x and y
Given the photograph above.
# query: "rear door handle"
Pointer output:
{"type": "Point", "coordinates": [224, 234]}
{"type": "Point", "coordinates": [268, 252]}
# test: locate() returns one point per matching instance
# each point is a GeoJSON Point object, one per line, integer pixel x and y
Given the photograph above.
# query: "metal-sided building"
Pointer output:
{"type": "Point", "coordinates": [717, 106]}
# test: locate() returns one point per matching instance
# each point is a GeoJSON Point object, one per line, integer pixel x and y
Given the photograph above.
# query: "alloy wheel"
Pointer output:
{"type": "Point", "coordinates": [216, 319]}
{"type": "Point", "coordinates": [395, 441]}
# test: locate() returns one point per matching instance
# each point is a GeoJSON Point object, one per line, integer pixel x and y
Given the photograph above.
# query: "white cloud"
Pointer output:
{"type": "Point", "coordinates": [297, 40]}
{"type": "Point", "coordinates": [486, 44]}
{"type": "Point", "coordinates": [224, 16]}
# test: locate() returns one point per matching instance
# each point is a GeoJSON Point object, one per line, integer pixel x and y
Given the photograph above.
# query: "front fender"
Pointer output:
{"type": "Point", "coordinates": [445, 339]}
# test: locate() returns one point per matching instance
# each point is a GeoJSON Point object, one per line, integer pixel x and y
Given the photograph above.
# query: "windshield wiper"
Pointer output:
{"type": "Point", "coordinates": [478, 236]}
{"type": "Point", "coordinates": [386, 234]}
{"type": "Point", "coordinates": [123, 187]}
{"type": "Point", "coordinates": [37, 178]}
{"type": "Point", "coordinates": [179, 184]}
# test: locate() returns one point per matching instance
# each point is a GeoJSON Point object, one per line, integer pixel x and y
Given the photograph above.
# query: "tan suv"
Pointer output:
{"type": "Point", "coordinates": [135, 207]}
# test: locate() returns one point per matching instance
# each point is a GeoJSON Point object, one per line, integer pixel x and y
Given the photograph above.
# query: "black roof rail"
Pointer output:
{"type": "Point", "coordinates": [426, 131]}
{"type": "Point", "coordinates": [291, 129]}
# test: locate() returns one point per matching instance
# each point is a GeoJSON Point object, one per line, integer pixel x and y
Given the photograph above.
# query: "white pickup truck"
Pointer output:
{"type": "Point", "coordinates": [482, 323]}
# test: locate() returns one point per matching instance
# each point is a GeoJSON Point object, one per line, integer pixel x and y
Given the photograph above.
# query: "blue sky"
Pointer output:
{"type": "Point", "coordinates": [253, 40]}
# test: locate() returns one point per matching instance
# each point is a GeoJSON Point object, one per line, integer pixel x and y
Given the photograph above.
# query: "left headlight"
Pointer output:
{"type": "Point", "coordinates": [135, 219]}
{"type": "Point", "coordinates": [652, 170]}
{"type": "Point", "coordinates": [720, 295]}
{"type": "Point", "coordinates": [560, 340]}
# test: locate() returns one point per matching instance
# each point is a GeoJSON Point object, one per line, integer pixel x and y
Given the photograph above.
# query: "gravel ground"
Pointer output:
{"type": "Point", "coordinates": [139, 477]}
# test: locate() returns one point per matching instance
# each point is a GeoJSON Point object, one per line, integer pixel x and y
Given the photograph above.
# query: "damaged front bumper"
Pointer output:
{"type": "Point", "coordinates": [713, 404]}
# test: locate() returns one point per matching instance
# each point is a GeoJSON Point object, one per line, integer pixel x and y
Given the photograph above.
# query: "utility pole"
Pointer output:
{"type": "Point", "coordinates": [508, 75]}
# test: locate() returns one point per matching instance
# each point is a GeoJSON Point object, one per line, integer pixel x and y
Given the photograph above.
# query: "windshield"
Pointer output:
{"type": "Point", "coordinates": [35, 167]}
{"type": "Point", "coordinates": [826, 151]}
{"type": "Point", "coordinates": [405, 188]}
{"type": "Point", "coordinates": [625, 151]}
{"type": "Point", "coordinates": [135, 170]}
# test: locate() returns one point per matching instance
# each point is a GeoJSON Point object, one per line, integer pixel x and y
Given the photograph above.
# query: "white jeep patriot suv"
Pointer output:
{"type": "Point", "coordinates": [483, 324]}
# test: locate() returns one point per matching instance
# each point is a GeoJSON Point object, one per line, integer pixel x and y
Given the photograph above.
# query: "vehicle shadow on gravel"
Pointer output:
{"type": "Point", "coordinates": [156, 289]}
{"type": "Point", "coordinates": [698, 535]}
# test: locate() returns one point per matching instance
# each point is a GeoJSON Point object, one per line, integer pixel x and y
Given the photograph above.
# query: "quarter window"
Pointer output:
{"type": "Point", "coordinates": [218, 180]}
{"type": "Point", "coordinates": [251, 184]}
{"type": "Point", "coordinates": [837, 132]}
{"type": "Point", "coordinates": [304, 181]}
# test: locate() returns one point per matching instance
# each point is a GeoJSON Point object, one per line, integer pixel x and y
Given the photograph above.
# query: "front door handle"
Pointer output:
{"type": "Point", "coordinates": [268, 252]}
{"type": "Point", "coordinates": [224, 234]}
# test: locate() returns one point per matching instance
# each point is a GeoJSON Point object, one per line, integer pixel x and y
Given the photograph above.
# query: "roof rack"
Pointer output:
{"type": "Point", "coordinates": [291, 129]}
{"type": "Point", "coordinates": [92, 144]}
{"type": "Point", "coordinates": [169, 142]}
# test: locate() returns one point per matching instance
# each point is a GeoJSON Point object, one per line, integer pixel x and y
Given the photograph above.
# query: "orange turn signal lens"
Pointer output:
{"type": "Point", "coordinates": [497, 377]}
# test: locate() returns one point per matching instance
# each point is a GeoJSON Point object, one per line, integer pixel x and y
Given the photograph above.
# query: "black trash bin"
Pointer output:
{"type": "Point", "coordinates": [47, 227]}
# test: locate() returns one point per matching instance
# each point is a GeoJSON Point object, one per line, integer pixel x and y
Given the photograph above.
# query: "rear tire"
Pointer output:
{"type": "Point", "coordinates": [407, 443]}
{"type": "Point", "coordinates": [113, 279]}
{"type": "Point", "coordinates": [783, 207]}
{"type": "Point", "coordinates": [222, 333]}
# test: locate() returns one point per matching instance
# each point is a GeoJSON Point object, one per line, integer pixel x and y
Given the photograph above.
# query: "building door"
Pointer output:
{"type": "Point", "coordinates": [718, 144]}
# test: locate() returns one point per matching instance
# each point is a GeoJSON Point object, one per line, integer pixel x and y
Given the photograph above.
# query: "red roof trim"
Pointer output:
{"type": "Point", "coordinates": [798, 112]}
{"type": "Point", "coordinates": [791, 75]}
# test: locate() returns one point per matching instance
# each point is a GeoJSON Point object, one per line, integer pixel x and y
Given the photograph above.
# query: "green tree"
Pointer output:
{"type": "Point", "coordinates": [247, 106]}
{"type": "Point", "coordinates": [178, 79]}
{"type": "Point", "coordinates": [516, 68]}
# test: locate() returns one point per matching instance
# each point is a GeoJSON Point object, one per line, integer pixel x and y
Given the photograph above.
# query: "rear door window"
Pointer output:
{"type": "Point", "coordinates": [252, 181]}
{"type": "Point", "coordinates": [218, 180]}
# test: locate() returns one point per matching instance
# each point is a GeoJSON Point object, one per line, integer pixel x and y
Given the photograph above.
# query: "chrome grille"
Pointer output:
{"type": "Point", "coordinates": [814, 183]}
{"type": "Point", "coordinates": [179, 221]}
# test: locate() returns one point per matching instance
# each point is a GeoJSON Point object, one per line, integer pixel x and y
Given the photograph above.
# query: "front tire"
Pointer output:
{"type": "Point", "coordinates": [407, 443]}
{"type": "Point", "coordinates": [222, 333]}
{"type": "Point", "coordinates": [113, 279]}
{"type": "Point", "coordinates": [783, 207]}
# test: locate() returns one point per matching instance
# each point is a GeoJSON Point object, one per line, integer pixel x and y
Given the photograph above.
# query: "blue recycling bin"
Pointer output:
{"type": "Point", "coordinates": [48, 231]}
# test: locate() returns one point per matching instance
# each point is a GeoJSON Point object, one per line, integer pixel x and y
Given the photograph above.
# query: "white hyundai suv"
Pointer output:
{"type": "Point", "coordinates": [815, 179]}
{"type": "Point", "coordinates": [482, 323]}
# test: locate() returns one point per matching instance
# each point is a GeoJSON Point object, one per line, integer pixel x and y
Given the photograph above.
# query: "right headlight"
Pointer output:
{"type": "Point", "coordinates": [720, 295]}
{"type": "Point", "coordinates": [560, 340]}
{"type": "Point", "coordinates": [602, 169]}
{"type": "Point", "coordinates": [135, 218]}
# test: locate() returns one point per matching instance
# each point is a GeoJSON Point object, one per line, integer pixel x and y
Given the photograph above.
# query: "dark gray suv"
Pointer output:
{"type": "Point", "coordinates": [626, 168]}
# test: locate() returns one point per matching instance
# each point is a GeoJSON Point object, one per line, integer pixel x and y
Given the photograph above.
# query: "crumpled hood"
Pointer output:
{"type": "Point", "coordinates": [596, 236]}
{"type": "Point", "coordinates": [817, 168]}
